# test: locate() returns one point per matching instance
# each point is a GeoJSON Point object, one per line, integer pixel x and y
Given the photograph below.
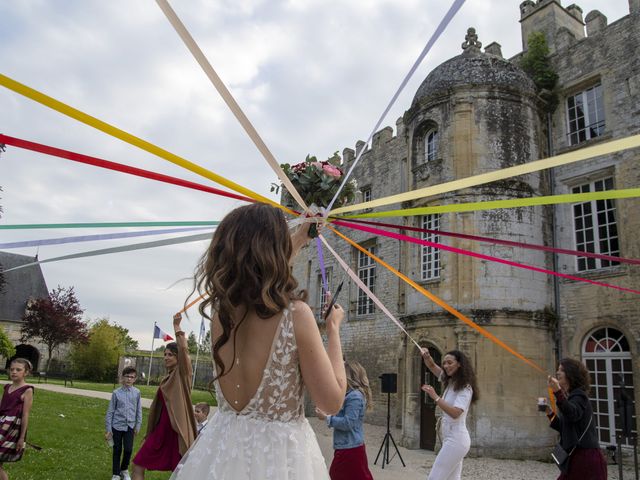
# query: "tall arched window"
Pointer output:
{"type": "Point", "coordinates": [431, 145]}
{"type": "Point", "coordinates": [607, 356]}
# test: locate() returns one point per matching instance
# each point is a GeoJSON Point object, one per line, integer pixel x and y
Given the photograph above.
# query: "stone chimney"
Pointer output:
{"type": "Point", "coordinates": [575, 11]}
{"type": "Point", "coordinates": [596, 22]}
{"type": "Point", "coordinates": [494, 48]}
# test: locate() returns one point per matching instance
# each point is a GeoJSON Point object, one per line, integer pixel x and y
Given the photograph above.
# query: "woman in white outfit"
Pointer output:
{"type": "Point", "coordinates": [459, 381]}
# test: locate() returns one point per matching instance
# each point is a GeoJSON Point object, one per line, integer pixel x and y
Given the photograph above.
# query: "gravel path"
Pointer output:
{"type": "Point", "coordinates": [419, 461]}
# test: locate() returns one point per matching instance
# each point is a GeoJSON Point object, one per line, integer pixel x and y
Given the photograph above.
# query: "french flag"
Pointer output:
{"type": "Point", "coordinates": [159, 333]}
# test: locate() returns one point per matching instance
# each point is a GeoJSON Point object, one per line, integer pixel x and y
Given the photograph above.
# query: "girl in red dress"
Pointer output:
{"type": "Point", "coordinates": [14, 414]}
{"type": "Point", "coordinates": [171, 425]}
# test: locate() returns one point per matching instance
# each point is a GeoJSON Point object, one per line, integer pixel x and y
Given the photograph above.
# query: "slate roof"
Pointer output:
{"type": "Point", "coordinates": [21, 285]}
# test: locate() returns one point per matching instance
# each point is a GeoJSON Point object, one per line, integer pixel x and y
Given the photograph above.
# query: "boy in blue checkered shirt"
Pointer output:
{"type": "Point", "coordinates": [123, 421]}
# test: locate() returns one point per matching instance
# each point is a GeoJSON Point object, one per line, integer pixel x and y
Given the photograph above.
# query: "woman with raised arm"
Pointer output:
{"type": "Point", "coordinates": [266, 348]}
{"type": "Point", "coordinates": [171, 427]}
{"type": "Point", "coordinates": [460, 390]}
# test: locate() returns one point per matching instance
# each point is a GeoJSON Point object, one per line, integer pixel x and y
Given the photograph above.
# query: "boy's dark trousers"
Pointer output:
{"type": "Point", "coordinates": [120, 440]}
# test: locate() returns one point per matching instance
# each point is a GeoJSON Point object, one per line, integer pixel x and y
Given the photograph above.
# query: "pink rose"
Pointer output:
{"type": "Point", "coordinates": [332, 171]}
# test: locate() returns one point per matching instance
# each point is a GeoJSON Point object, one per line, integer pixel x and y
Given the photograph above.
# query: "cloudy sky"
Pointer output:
{"type": "Point", "coordinates": [313, 76]}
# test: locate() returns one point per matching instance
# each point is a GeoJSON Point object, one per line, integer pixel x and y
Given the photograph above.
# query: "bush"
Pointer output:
{"type": "Point", "coordinates": [98, 358]}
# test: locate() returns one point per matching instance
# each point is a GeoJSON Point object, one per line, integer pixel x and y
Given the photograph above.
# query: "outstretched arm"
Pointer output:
{"type": "Point", "coordinates": [322, 370]}
{"type": "Point", "coordinates": [184, 360]}
{"type": "Point", "coordinates": [299, 238]}
{"type": "Point", "coordinates": [430, 362]}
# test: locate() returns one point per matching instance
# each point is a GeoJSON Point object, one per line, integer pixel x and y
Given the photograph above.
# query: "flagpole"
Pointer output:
{"type": "Point", "coordinates": [195, 370]}
{"type": "Point", "coordinates": [151, 356]}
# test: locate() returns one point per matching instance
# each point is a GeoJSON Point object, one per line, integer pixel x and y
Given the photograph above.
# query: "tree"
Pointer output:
{"type": "Point", "coordinates": [97, 359]}
{"type": "Point", "coordinates": [192, 342]}
{"type": "Point", "coordinates": [129, 344]}
{"type": "Point", "coordinates": [537, 64]}
{"type": "Point", "coordinates": [7, 350]}
{"type": "Point", "coordinates": [55, 319]}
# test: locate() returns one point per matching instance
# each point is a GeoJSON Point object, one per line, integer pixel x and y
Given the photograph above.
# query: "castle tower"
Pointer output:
{"type": "Point", "coordinates": [482, 111]}
{"type": "Point", "coordinates": [548, 17]}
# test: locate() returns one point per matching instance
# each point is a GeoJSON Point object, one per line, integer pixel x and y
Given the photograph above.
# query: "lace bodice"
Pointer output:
{"type": "Point", "coordinates": [279, 395]}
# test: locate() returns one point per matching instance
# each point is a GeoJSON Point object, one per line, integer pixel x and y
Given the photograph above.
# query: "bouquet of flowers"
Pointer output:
{"type": "Point", "coordinates": [318, 181]}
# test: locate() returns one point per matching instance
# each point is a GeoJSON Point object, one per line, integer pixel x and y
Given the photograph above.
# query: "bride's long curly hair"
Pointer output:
{"type": "Point", "coordinates": [245, 268]}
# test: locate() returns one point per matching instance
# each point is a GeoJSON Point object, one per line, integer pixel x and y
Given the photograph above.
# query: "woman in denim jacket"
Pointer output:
{"type": "Point", "coordinates": [350, 455]}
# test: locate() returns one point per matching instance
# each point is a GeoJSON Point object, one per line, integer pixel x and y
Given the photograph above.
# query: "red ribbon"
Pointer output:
{"type": "Point", "coordinates": [531, 246]}
{"type": "Point", "coordinates": [97, 162]}
{"type": "Point", "coordinates": [406, 238]}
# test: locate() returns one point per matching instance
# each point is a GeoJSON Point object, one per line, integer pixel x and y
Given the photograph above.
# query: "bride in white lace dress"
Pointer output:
{"type": "Point", "coordinates": [267, 348]}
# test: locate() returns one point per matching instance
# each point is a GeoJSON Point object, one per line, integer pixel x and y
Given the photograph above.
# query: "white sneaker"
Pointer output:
{"type": "Point", "coordinates": [115, 477]}
{"type": "Point", "coordinates": [125, 475]}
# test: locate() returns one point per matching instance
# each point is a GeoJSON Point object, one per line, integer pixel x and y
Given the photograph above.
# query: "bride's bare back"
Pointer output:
{"type": "Point", "coordinates": [253, 341]}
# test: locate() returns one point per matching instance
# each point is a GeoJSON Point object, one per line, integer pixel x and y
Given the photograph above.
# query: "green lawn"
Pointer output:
{"type": "Point", "coordinates": [70, 430]}
{"type": "Point", "coordinates": [146, 391]}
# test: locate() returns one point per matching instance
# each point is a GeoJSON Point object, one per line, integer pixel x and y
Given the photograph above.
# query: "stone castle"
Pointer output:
{"type": "Point", "coordinates": [475, 113]}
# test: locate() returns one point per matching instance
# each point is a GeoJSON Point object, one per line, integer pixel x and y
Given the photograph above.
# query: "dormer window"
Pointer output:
{"type": "Point", "coordinates": [431, 145]}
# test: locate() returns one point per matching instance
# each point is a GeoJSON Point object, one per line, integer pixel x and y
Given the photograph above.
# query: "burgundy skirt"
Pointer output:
{"type": "Point", "coordinates": [586, 463]}
{"type": "Point", "coordinates": [160, 450]}
{"type": "Point", "coordinates": [350, 464]}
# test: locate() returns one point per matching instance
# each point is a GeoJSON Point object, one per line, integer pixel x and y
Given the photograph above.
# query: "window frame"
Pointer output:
{"type": "Point", "coordinates": [431, 144]}
{"type": "Point", "coordinates": [430, 266]}
{"type": "Point", "coordinates": [366, 270]}
{"type": "Point", "coordinates": [582, 128]}
{"type": "Point", "coordinates": [321, 295]}
{"type": "Point", "coordinates": [588, 225]}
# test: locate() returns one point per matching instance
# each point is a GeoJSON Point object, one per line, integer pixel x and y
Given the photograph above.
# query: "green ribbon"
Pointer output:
{"type": "Point", "coordinates": [493, 204]}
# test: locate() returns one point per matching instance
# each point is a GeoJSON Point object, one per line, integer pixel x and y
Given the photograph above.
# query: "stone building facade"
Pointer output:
{"type": "Point", "coordinates": [475, 113]}
{"type": "Point", "coordinates": [21, 286]}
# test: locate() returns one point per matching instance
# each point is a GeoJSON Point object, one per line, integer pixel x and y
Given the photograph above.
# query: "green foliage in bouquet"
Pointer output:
{"type": "Point", "coordinates": [317, 182]}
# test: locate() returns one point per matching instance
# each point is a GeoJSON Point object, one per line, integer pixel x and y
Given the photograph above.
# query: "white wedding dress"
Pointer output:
{"type": "Point", "coordinates": [270, 438]}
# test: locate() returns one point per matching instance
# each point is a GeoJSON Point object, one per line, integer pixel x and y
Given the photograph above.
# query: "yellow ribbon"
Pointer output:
{"type": "Point", "coordinates": [564, 159]}
{"type": "Point", "coordinates": [128, 138]}
{"type": "Point", "coordinates": [493, 204]}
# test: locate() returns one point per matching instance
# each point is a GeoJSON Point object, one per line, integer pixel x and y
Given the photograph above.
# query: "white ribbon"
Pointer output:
{"type": "Point", "coordinates": [369, 293]}
{"type": "Point", "coordinates": [228, 98]}
{"type": "Point", "coordinates": [100, 236]}
{"type": "Point", "coordinates": [123, 248]}
{"type": "Point", "coordinates": [441, 27]}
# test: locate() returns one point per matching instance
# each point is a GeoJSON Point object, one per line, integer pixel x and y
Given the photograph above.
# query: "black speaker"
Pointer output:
{"type": "Point", "coordinates": [389, 382]}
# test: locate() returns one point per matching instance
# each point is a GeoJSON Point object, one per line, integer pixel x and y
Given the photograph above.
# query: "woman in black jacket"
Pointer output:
{"type": "Point", "coordinates": [575, 420]}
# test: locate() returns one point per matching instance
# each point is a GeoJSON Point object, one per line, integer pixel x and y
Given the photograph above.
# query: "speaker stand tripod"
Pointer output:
{"type": "Point", "coordinates": [387, 437]}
